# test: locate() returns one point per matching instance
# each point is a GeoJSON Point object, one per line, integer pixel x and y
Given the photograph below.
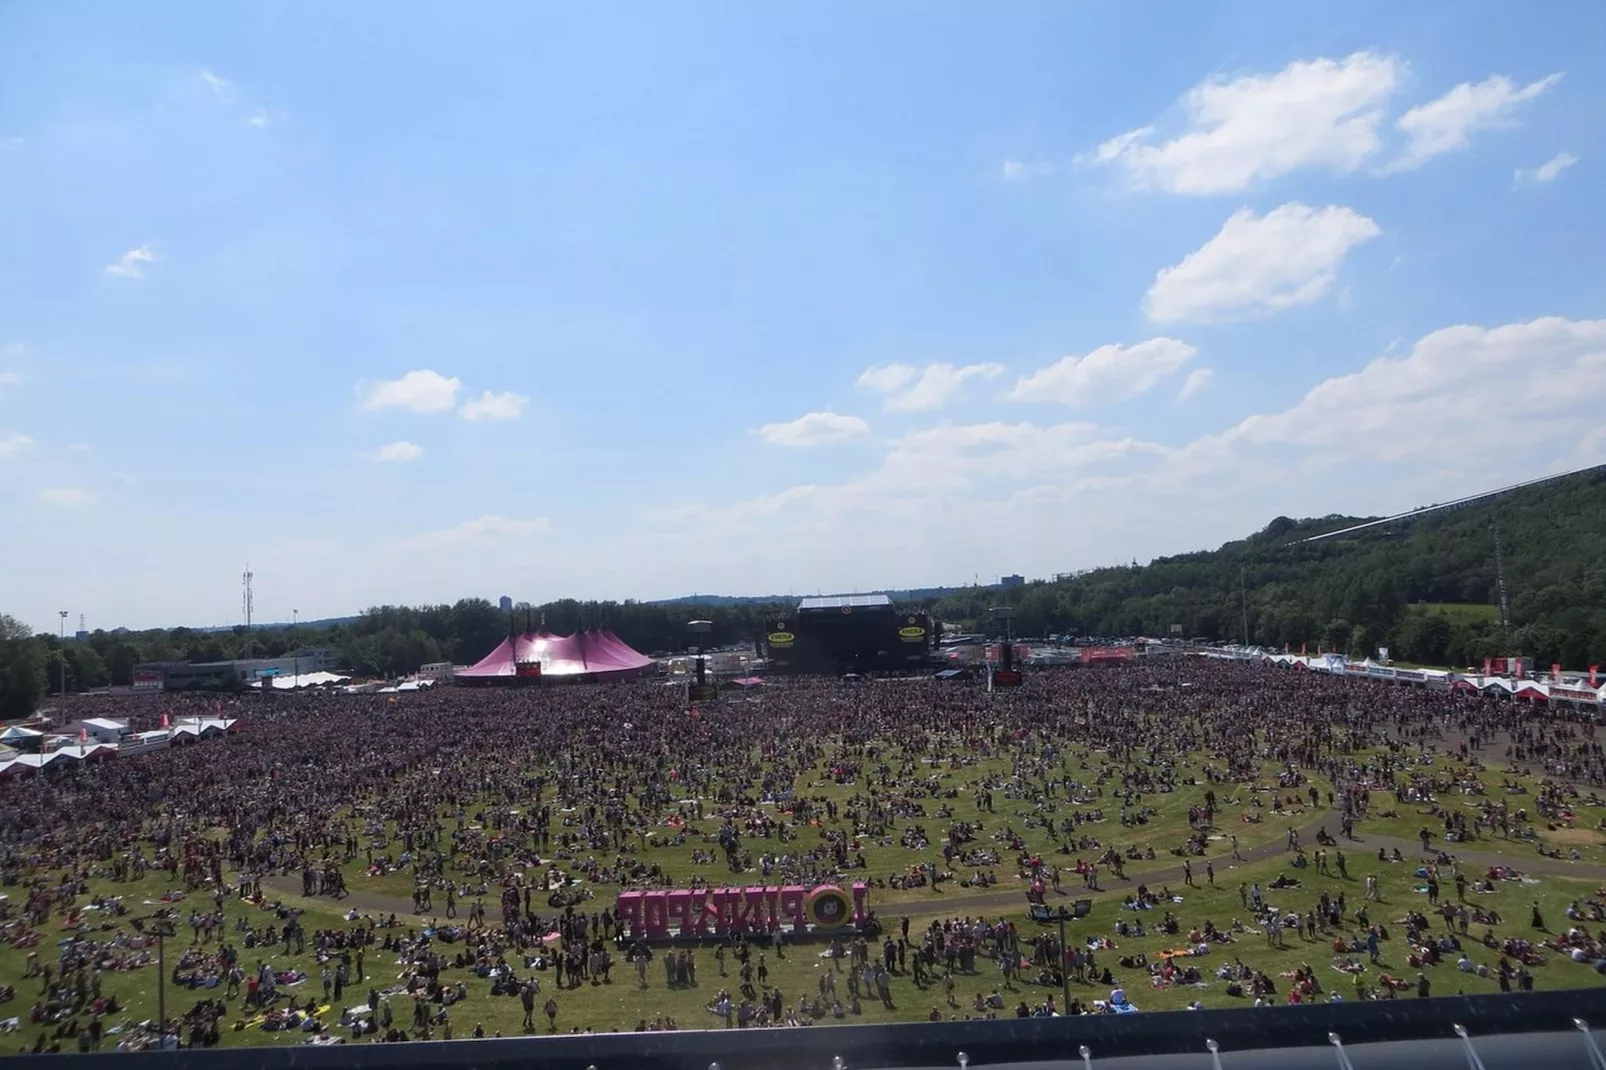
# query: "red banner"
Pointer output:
{"type": "Point", "coordinates": [1107, 655]}
{"type": "Point", "coordinates": [1594, 671]}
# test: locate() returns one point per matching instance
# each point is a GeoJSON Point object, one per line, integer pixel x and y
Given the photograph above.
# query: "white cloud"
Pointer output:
{"type": "Point", "coordinates": [131, 265]}
{"type": "Point", "coordinates": [1447, 124]}
{"type": "Point", "coordinates": [479, 531]}
{"type": "Point", "coordinates": [494, 406]}
{"type": "Point", "coordinates": [1107, 375]}
{"type": "Point", "coordinates": [1547, 171]}
{"type": "Point", "coordinates": [1021, 170]}
{"type": "Point", "coordinates": [1320, 113]}
{"type": "Point", "coordinates": [1257, 265]}
{"type": "Point", "coordinates": [1461, 393]}
{"type": "Point", "coordinates": [1196, 381]}
{"type": "Point", "coordinates": [10, 379]}
{"type": "Point", "coordinates": [1463, 409]}
{"type": "Point", "coordinates": [66, 496]}
{"type": "Point", "coordinates": [261, 117]}
{"type": "Point", "coordinates": [221, 87]}
{"type": "Point", "coordinates": [14, 444]}
{"type": "Point", "coordinates": [815, 429]}
{"type": "Point", "coordinates": [422, 391]}
{"type": "Point", "coordinates": [81, 447]}
{"type": "Point", "coordinates": [398, 451]}
{"type": "Point", "coordinates": [910, 389]}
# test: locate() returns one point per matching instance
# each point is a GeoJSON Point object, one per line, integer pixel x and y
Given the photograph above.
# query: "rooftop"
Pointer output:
{"type": "Point", "coordinates": [840, 601]}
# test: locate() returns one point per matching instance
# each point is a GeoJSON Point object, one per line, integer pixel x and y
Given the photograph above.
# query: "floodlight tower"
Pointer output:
{"type": "Point", "coordinates": [246, 606]}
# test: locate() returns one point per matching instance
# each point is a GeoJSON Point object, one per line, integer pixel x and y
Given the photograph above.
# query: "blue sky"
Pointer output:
{"type": "Point", "coordinates": [404, 302]}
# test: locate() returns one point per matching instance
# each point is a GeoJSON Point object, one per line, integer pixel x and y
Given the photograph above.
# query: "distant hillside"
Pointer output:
{"type": "Point", "coordinates": [922, 594]}
{"type": "Point", "coordinates": [1355, 593]}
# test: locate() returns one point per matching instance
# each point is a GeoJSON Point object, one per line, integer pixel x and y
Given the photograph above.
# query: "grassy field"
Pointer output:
{"type": "Point", "coordinates": [1458, 612]}
{"type": "Point", "coordinates": [1259, 816]}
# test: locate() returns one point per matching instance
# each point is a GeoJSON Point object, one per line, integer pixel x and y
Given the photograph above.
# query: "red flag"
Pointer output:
{"type": "Point", "coordinates": [1594, 671]}
{"type": "Point", "coordinates": [83, 735]}
{"type": "Point", "coordinates": [1301, 649]}
{"type": "Point", "coordinates": [1488, 666]}
{"type": "Point", "coordinates": [1285, 648]}
{"type": "Point", "coordinates": [164, 719]}
{"type": "Point", "coordinates": [1555, 672]}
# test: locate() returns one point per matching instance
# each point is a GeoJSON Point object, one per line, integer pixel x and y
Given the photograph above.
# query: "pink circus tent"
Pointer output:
{"type": "Point", "coordinates": [596, 653]}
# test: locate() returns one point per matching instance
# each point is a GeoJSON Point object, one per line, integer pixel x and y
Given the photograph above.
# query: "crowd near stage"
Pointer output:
{"type": "Point", "coordinates": [469, 861]}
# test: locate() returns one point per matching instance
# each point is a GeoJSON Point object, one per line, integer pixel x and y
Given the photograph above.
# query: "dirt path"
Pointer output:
{"type": "Point", "coordinates": [1168, 871]}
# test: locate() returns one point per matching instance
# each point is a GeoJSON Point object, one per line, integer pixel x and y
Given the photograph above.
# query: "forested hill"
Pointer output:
{"type": "Point", "coordinates": [1425, 588]}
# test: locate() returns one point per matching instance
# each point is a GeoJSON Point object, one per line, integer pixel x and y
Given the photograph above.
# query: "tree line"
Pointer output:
{"type": "Point", "coordinates": [1384, 587]}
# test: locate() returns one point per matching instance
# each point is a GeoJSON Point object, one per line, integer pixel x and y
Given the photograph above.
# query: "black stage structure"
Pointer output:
{"type": "Point", "coordinates": [1487, 1032]}
{"type": "Point", "coordinates": [852, 633]}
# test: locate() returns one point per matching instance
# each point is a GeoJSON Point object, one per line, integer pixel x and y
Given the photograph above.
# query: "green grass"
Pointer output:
{"type": "Point", "coordinates": [621, 1004]}
{"type": "Point", "coordinates": [1459, 612]}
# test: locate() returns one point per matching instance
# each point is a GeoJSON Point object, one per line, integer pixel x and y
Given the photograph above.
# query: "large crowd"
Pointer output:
{"type": "Point", "coordinates": [516, 815]}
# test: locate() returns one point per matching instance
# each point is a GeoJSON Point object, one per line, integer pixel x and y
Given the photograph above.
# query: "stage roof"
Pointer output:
{"type": "Point", "coordinates": [839, 601]}
{"type": "Point", "coordinates": [592, 653]}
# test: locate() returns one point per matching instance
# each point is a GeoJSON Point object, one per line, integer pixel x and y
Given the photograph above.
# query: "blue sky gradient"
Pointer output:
{"type": "Point", "coordinates": [659, 237]}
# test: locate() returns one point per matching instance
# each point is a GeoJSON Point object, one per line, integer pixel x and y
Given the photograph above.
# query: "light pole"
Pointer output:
{"type": "Point", "coordinates": [160, 927]}
{"type": "Point", "coordinates": [61, 651]}
{"type": "Point", "coordinates": [295, 638]}
{"type": "Point", "coordinates": [1061, 915]}
{"type": "Point", "coordinates": [699, 630]}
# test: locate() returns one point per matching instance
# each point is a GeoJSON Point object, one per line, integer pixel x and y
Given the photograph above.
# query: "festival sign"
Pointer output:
{"type": "Point", "coordinates": [660, 914]}
{"type": "Point", "coordinates": [1107, 655]}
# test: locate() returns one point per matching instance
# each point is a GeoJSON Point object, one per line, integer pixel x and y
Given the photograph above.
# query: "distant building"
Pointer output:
{"type": "Point", "coordinates": [505, 603]}
{"type": "Point", "coordinates": [212, 675]}
{"type": "Point", "coordinates": [80, 636]}
{"type": "Point", "coordinates": [1012, 581]}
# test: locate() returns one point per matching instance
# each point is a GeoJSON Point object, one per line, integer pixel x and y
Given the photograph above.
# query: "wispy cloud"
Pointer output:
{"type": "Point", "coordinates": [14, 444]}
{"type": "Point", "coordinates": [220, 86]}
{"type": "Point", "coordinates": [479, 531]}
{"type": "Point", "coordinates": [10, 379]}
{"type": "Point", "coordinates": [1197, 380]}
{"type": "Point", "coordinates": [1448, 123]}
{"type": "Point", "coordinates": [396, 452]}
{"type": "Point", "coordinates": [814, 429]}
{"type": "Point", "coordinates": [66, 497]}
{"type": "Point", "coordinates": [131, 265]}
{"type": "Point", "coordinates": [1547, 171]}
{"type": "Point", "coordinates": [494, 406]}
{"type": "Point", "coordinates": [910, 389]}
{"type": "Point", "coordinates": [1022, 170]}
{"type": "Point", "coordinates": [261, 117]}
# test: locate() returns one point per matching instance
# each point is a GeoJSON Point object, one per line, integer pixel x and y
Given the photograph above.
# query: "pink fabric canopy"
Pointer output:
{"type": "Point", "coordinates": [590, 653]}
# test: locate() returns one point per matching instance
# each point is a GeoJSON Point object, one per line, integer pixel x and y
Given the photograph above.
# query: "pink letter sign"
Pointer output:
{"type": "Point", "coordinates": [792, 897]}
{"type": "Point", "coordinates": [629, 912]}
{"type": "Point", "coordinates": [655, 915]}
{"type": "Point", "coordinates": [678, 905]}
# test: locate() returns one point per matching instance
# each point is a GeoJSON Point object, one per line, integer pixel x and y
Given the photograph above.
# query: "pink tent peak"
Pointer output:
{"type": "Point", "coordinates": [591, 653]}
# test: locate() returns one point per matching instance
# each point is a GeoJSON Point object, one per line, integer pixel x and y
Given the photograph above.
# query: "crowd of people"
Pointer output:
{"type": "Point", "coordinates": [517, 815]}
